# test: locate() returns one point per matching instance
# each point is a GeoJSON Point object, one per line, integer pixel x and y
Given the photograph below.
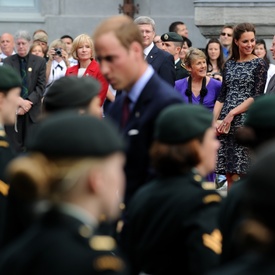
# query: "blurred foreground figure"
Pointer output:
{"type": "Point", "coordinates": [171, 227]}
{"type": "Point", "coordinates": [80, 185]}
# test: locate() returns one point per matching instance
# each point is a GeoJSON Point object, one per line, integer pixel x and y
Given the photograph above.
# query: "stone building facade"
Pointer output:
{"type": "Point", "coordinates": [203, 18]}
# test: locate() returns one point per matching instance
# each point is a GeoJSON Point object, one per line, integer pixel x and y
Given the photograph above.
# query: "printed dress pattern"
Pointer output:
{"type": "Point", "coordinates": [241, 80]}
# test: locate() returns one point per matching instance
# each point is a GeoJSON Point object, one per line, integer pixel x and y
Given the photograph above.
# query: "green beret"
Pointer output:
{"type": "Point", "coordinates": [71, 92]}
{"type": "Point", "coordinates": [9, 78]}
{"type": "Point", "coordinates": [261, 113]}
{"type": "Point", "coordinates": [68, 134]}
{"type": "Point", "coordinates": [180, 123]}
{"type": "Point", "coordinates": [171, 36]}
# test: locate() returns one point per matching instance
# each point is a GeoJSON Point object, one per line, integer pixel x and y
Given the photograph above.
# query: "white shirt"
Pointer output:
{"type": "Point", "coordinates": [148, 49]}
{"type": "Point", "coordinates": [58, 70]}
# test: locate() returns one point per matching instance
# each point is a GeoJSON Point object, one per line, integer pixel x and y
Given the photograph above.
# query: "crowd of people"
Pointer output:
{"type": "Point", "coordinates": [112, 146]}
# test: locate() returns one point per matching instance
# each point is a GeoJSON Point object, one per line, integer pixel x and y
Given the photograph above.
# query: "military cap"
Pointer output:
{"type": "Point", "coordinates": [40, 36]}
{"type": "Point", "coordinates": [171, 36]}
{"type": "Point", "coordinates": [71, 92]}
{"type": "Point", "coordinates": [69, 134]}
{"type": "Point", "coordinates": [261, 113]}
{"type": "Point", "coordinates": [9, 78]}
{"type": "Point", "coordinates": [180, 123]}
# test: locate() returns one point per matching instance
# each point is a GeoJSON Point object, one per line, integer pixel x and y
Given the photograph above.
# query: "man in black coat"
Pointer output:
{"type": "Point", "coordinates": [33, 72]}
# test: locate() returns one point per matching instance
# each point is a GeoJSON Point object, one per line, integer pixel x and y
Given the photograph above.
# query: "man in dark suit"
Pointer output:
{"type": "Point", "coordinates": [162, 62]}
{"type": "Point", "coordinates": [32, 69]}
{"type": "Point", "coordinates": [119, 49]}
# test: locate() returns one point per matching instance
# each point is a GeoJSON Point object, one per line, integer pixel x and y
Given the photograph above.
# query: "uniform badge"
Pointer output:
{"type": "Point", "coordinates": [166, 36]}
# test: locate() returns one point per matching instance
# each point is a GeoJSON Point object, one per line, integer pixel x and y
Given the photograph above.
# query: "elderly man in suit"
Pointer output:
{"type": "Point", "coordinates": [32, 69]}
{"type": "Point", "coordinates": [163, 63]}
{"type": "Point", "coordinates": [119, 49]}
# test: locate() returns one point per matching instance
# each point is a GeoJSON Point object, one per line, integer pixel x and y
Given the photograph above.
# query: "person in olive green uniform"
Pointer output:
{"type": "Point", "coordinates": [10, 87]}
{"type": "Point", "coordinates": [75, 163]}
{"type": "Point", "coordinates": [172, 43]}
{"type": "Point", "coordinates": [171, 223]}
{"type": "Point", "coordinates": [67, 93]}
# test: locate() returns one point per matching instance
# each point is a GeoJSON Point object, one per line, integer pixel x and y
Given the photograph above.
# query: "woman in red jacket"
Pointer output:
{"type": "Point", "coordinates": [83, 51]}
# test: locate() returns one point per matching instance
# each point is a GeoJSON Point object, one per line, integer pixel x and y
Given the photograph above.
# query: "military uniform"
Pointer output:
{"type": "Point", "coordinates": [172, 227]}
{"type": "Point", "coordinates": [6, 155]}
{"type": "Point", "coordinates": [62, 244]}
{"type": "Point", "coordinates": [181, 72]}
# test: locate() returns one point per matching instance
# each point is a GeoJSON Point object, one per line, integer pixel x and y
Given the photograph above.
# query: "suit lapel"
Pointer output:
{"type": "Point", "coordinates": [152, 55]}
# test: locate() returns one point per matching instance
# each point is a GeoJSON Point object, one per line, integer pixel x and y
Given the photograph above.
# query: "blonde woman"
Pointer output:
{"type": "Point", "coordinates": [83, 51]}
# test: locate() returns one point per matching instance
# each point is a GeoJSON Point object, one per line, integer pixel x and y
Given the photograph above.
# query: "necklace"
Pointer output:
{"type": "Point", "coordinates": [203, 91]}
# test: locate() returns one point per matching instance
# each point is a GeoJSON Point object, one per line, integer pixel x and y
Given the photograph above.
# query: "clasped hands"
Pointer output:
{"type": "Point", "coordinates": [24, 106]}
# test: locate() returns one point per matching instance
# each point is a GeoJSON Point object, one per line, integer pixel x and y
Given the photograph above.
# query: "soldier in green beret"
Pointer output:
{"type": "Point", "coordinates": [72, 92]}
{"type": "Point", "coordinates": [10, 87]}
{"type": "Point", "coordinates": [75, 163]}
{"type": "Point", "coordinates": [172, 43]}
{"type": "Point", "coordinates": [171, 226]}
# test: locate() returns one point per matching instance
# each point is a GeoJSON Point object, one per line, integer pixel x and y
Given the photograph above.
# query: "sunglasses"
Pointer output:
{"type": "Point", "coordinates": [224, 34]}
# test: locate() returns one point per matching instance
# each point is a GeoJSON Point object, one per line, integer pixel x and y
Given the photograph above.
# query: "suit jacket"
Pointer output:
{"type": "Point", "coordinates": [163, 64]}
{"type": "Point", "coordinates": [36, 80]}
{"type": "Point", "coordinates": [62, 244]}
{"type": "Point", "coordinates": [138, 131]}
{"type": "Point", "coordinates": [94, 71]}
{"type": "Point", "coordinates": [271, 86]}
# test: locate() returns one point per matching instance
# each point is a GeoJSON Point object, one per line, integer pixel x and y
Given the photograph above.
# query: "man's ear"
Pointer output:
{"type": "Point", "coordinates": [95, 181]}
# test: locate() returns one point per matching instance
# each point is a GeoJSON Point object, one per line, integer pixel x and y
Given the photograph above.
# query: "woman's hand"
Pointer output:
{"type": "Point", "coordinates": [224, 126]}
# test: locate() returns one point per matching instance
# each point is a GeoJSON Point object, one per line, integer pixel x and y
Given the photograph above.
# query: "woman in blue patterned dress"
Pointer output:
{"type": "Point", "coordinates": [244, 79]}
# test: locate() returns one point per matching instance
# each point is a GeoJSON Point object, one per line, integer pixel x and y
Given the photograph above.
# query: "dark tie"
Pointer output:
{"type": "Point", "coordinates": [271, 86]}
{"type": "Point", "coordinates": [125, 111]}
{"type": "Point", "coordinates": [59, 66]}
{"type": "Point", "coordinates": [23, 71]}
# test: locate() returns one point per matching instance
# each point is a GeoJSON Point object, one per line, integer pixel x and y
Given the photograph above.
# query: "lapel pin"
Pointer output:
{"type": "Point", "coordinates": [29, 69]}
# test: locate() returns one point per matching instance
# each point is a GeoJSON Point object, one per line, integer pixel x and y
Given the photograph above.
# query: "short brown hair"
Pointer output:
{"type": "Point", "coordinates": [175, 159]}
{"type": "Point", "coordinates": [123, 27]}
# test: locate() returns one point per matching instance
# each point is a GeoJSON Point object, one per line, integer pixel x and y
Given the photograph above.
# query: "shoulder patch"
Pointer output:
{"type": "Point", "coordinates": [213, 241]}
{"type": "Point", "coordinates": [102, 243]}
{"type": "Point", "coordinates": [109, 263]}
{"type": "Point", "coordinates": [211, 198]}
{"type": "Point", "coordinates": [4, 188]}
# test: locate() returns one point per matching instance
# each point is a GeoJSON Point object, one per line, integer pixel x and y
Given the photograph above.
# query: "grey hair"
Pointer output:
{"type": "Point", "coordinates": [22, 34]}
{"type": "Point", "coordinates": [141, 20]}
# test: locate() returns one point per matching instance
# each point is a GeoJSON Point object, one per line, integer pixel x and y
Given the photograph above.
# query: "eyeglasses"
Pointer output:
{"type": "Point", "coordinates": [228, 34]}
